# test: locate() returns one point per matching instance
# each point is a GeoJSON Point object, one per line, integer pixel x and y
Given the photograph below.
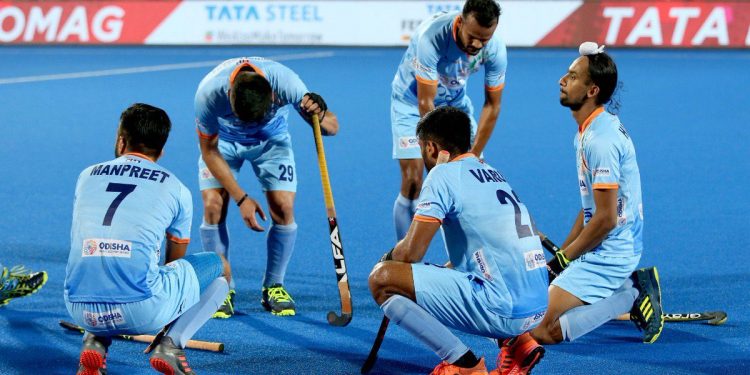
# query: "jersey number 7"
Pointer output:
{"type": "Point", "coordinates": [124, 190]}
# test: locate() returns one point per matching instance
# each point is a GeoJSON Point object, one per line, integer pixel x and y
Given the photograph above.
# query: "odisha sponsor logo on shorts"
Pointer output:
{"type": "Point", "coordinates": [108, 318]}
{"type": "Point", "coordinates": [205, 174]}
{"type": "Point", "coordinates": [408, 142]}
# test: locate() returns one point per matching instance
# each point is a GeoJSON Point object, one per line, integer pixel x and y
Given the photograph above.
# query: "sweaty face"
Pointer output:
{"type": "Point", "coordinates": [472, 36]}
{"type": "Point", "coordinates": [575, 84]}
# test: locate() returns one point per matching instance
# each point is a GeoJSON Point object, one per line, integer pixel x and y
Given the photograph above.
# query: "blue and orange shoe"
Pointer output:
{"type": "Point", "coordinates": [170, 359]}
{"type": "Point", "coordinates": [93, 360]}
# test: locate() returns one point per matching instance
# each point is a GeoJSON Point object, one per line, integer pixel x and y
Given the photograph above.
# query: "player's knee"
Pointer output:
{"type": "Point", "coordinates": [282, 211]}
{"type": "Point", "coordinates": [378, 281]}
{"type": "Point", "coordinates": [212, 207]}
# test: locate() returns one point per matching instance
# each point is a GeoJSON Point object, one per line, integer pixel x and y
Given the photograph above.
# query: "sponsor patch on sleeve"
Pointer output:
{"type": "Point", "coordinates": [534, 259]}
{"type": "Point", "coordinates": [102, 247]}
{"type": "Point", "coordinates": [481, 262]}
{"type": "Point", "coordinates": [601, 172]}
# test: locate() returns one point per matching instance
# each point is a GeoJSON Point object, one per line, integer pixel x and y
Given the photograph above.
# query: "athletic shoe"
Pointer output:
{"type": "Point", "coordinates": [227, 308]}
{"type": "Point", "coordinates": [168, 358]}
{"type": "Point", "coordinates": [445, 368]}
{"type": "Point", "coordinates": [647, 313]}
{"type": "Point", "coordinates": [93, 359]}
{"type": "Point", "coordinates": [518, 355]}
{"type": "Point", "coordinates": [277, 300]}
{"type": "Point", "coordinates": [19, 282]}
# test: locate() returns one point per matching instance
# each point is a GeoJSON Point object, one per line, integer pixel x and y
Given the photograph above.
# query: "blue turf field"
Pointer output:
{"type": "Point", "coordinates": [686, 111]}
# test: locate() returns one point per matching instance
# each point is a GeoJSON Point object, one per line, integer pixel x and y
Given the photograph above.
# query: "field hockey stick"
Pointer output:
{"type": "Point", "coordinates": [443, 157]}
{"type": "Point", "coordinates": [373, 356]}
{"type": "Point", "coordinates": [192, 344]}
{"type": "Point", "coordinates": [336, 244]}
{"type": "Point", "coordinates": [713, 318]}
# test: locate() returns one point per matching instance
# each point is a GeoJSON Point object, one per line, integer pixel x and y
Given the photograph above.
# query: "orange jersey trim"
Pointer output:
{"type": "Point", "coordinates": [139, 155]}
{"type": "Point", "coordinates": [237, 69]}
{"type": "Point", "coordinates": [176, 239]}
{"type": "Point", "coordinates": [499, 87]}
{"type": "Point", "coordinates": [426, 81]}
{"type": "Point", "coordinates": [204, 135]}
{"type": "Point", "coordinates": [427, 219]}
{"type": "Point", "coordinates": [592, 116]}
{"type": "Point", "coordinates": [606, 186]}
{"type": "Point", "coordinates": [463, 156]}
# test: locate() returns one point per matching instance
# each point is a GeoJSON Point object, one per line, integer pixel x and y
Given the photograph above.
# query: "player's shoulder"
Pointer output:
{"type": "Point", "coordinates": [437, 27]}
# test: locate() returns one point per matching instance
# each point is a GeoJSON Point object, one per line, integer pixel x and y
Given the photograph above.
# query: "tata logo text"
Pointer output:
{"type": "Point", "coordinates": [54, 25]}
{"type": "Point", "coordinates": [274, 12]}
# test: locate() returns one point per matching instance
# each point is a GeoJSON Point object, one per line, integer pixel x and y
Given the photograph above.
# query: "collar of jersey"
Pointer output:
{"type": "Point", "coordinates": [138, 155]}
{"type": "Point", "coordinates": [463, 156]}
{"type": "Point", "coordinates": [243, 65]}
{"type": "Point", "coordinates": [582, 128]}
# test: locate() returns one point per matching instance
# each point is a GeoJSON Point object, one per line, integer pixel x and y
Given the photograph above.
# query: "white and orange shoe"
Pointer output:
{"type": "Point", "coordinates": [445, 368]}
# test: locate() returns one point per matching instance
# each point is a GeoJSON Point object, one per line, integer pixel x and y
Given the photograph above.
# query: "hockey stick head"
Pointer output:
{"type": "Point", "coordinates": [339, 321]}
{"type": "Point", "coordinates": [719, 317]}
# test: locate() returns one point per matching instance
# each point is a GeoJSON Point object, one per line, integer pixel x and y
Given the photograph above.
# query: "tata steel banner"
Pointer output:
{"type": "Point", "coordinates": [711, 24]}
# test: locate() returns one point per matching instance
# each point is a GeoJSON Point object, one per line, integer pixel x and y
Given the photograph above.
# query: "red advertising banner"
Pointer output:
{"type": "Point", "coordinates": [81, 22]}
{"type": "Point", "coordinates": [656, 24]}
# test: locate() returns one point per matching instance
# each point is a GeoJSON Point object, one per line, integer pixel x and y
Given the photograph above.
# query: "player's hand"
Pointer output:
{"type": "Point", "coordinates": [555, 266]}
{"type": "Point", "coordinates": [313, 104]}
{"type": "Point", "coordinates": [387, 256]}
{"type": "Point", "coordinates": [248, 209]}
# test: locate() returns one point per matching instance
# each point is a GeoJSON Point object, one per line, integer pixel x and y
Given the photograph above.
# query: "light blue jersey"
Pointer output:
{"type": "Point", "coordinates": [433, 57]}
{"type": "Point", "coordinates": [213, 113]}
{"type": "Point", "coordinates": [606, 160]}
{"type": "Point", "coordinates": [488, 233]}
{"type": "Point", "coordinates": [123, 210]}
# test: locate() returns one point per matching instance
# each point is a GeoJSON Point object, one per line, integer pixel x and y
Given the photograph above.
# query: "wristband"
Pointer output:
{"type": "Point", "coordinates": [239, 202]}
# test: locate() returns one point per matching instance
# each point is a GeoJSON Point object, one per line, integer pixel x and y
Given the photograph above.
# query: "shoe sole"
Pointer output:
{"type": "Point", "coordinates": [92, 361]}
{"type": "Point", "coordinates": [532, 359]}
{"type": "Point", "coordinates": [222, 315]}
{"type": "Point", "coordinates": [44, 281]}
{"type": "Point", "coordinates": [162, 366]}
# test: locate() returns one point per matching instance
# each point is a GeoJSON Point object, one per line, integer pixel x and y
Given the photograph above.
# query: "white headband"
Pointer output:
{"type": "Point", "coordinates": [590, 48]}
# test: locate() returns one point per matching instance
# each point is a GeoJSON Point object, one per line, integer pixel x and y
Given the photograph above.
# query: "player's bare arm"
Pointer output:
{"type": "Point", "coordinates": [220, 170]}
{"type": "Point", "coordinates": [175, 250]}
{"type": "Point", "coordinates": [487, 120]}
{"type": "Point", "coordinates": [426, 93]}
{"type": "Point", "coordinates": [413, 247]}
{"type": "Point", "coordinates": [575, 230]}
{"type": "Point", "coordinates": [603, 221]}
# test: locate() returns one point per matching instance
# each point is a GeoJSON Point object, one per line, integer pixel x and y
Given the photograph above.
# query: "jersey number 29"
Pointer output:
{"type": "Point", "coordinates": [124, 190]}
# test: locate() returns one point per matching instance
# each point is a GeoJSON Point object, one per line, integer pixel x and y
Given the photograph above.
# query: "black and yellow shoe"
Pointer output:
{"type": "Point", "coordinates": [647, 312]}
{"type": "Point", "coordinates": [19, 282]}
{"type": "Point", "coordinates": [227, 308]}
{"type": "Point", "coordinates": [277, 300]}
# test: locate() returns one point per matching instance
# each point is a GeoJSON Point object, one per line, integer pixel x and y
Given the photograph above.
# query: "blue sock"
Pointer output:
{"type": "Point", "coordinates": [403, 213]}
{"type": "Point", "coordinates": [581, 320]}
{"type": "Point", "coordinates": [280, 244]}
{"type": "Point", "coordinates": [215, 237]}
{"type": "Point", "coordinates": [415, 320]}
{"type": "Point", "coordinates": [196, 316]}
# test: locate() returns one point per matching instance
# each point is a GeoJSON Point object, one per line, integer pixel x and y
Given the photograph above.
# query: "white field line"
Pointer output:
{"type": "Point", "coordinates": [151, 68]}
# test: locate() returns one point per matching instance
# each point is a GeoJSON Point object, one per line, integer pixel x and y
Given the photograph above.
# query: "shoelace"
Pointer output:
{"type": "Point", "coordinates": [279, 294]}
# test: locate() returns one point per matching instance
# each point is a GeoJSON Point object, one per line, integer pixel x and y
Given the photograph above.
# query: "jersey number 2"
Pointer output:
{"type": "Point", "coordinates": [521, 229]}
{"type": "Point", "coordinates": [124, 190]}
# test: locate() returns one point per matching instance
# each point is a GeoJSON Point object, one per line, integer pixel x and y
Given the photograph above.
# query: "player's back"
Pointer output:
{"type": "Point", "coordinates": [488, 232]}
{"type": "Point", "coordinates": [123, 210]}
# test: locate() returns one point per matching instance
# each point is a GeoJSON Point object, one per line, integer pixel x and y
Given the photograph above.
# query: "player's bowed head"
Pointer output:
{"type": "Point", "coordinates": [142, 129]}
{"type": "Point", "coordinates": [443, 129]}
{"type": "Point", "coordinates": [476, 25]}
